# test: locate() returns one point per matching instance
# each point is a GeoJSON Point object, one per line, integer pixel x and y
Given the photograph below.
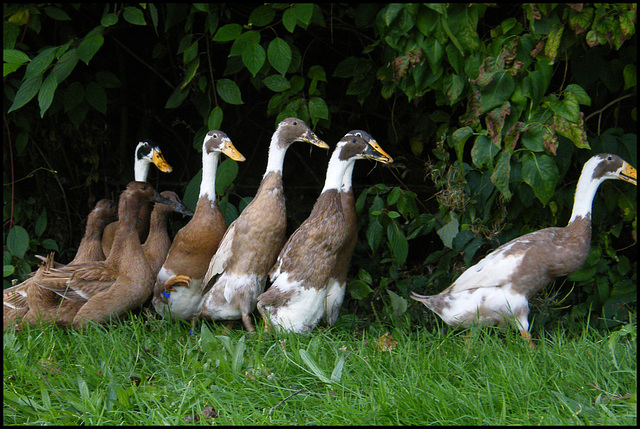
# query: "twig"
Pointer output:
{"type": "Point", "coordinates": [599, 112]}
{"type": "Point", "coordinates": [143, 62]}
{"type": "Point", "coordinates": [290, 396]}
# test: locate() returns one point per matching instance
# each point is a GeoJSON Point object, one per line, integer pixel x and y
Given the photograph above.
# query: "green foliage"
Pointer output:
{"type": "Point", "coordinates": [490, 112]}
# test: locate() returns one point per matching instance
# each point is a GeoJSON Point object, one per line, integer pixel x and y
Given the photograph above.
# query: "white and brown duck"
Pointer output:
{"type": "Point", "coordinates": [90, 249]}
{"type": "Point", "coordinates": [238, 271]}
{"type": "Point", "coordinates": [146, 153]}
{"type": "Point", "coordinates": [98, 291]}
{"type": "Point", "coordinates": [499, 287]}
{"type": "Point", "coordinates": [178, 286]}
{"type": "Point", "coordinates": [337, 284]}
{"type": "Point", "coordinates": [296, 299]}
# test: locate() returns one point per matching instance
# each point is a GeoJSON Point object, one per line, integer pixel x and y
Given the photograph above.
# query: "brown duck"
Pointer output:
{"type": "Point", "coordinates": [499, 287]}
{"type": "Point", "coordinates": [296, 299]}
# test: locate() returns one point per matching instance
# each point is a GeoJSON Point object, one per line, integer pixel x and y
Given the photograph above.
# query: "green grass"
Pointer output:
{"type": "Point", "coordinates": [148, 371]}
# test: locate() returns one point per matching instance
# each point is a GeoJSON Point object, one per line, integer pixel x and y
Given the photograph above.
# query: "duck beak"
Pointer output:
{"type": "Point", "coordinates": [230, 150]}
{"type": "Point", "coordinates": [157, 198]}
{"type": "Point", "coordinates": [629, 174]}
{"type": "Point", "coordinates": [311, 138]}
{"type": "Point", "coordinates": [375, 153]}
{"type": "Point", "coordinates": [160, 162]}
{"type": "Point", "coordinates": [181, 208]}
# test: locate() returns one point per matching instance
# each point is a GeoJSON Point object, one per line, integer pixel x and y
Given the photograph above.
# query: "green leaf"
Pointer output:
{"type": "Point", "coordinates": [448, 232]}
{"type": "Point", "coordinates": [374, 234]}
{"type": "Point", "coordinates": [336, 374]}
{"type": "Point", "coordinates": [73, 96]}
{"type": "Point", "coordinates": [359, 290]}
{"type": "Point", "coordinates": [253, 57]}
{"type": "Point", "coordinates": [107, 79]}
{"type": "Point", "coordinates": [109, 19]}
{"type": "Point", "coordinates": [40, 63]}
{"type": "Point", "coordinates": [630, 76]}
{"type": "Point", "coordinates": [497, 91]}
{"type": "Point", "coordinates": [279, 55]}
{"type": "Point", "coordinates": [303, 12]}
{"type": "Point", "coordinates": [229, 91]}
{"type": "Point", "coordinates": [215, 118]}
{"type": "Point", "coordinates": [483, 152]}
{"type": "Point", "coordinates": [56, 13]}
{"type": "Point", "coordinates": [190, 73]}
{"type": "Point", "coordinates": [28, 89]}
{"type": "Point", "coordinates": [45, 95]}
{"type": "Point", "coordinates": [89, 46]}
{"type": "Point", "coordinates": [501, 173]}
{"type": "Point", "coordinates": [238, 355]}
{"type": "Point", "coordinates": [541, 173]}
{"type": "Point", "coordinates": [313, 366]}
{"type": "Point", "coordinates": [192, 191]}
{"type": "Point", "coordinates": [176, 98]}
{"type": "Point", "coordinates": [397, 242]}
{"type": "Point", "coordinates": [225, 175]}
{"type": "Point", "coordinates": [398, 303]}
{"type": "Point", "coordinates": [134, 16]}
{"type": "Point", "coordinates": [289, 20]}
{"type": "Point", "coordinates": [97, 97]}
{"type": "Point", "coordinates": [262, 15]}
{"type": "Point", "coordinates": [318, 109]}
{"type": "Point", "coordinates": [41, 223]}
{"type": "Point", "coordinates": [65, 65]}
{"type": "Point", "coordinates": [17, 241]}
{"type": "Point", "coordinates": [8, 270]}
{"type": "Point", "coordinates": [243, 42]}
{"type": "Point", "coordinates": [13, 59]}
{"type": "Point", "coordinates": [276, 83]}
{"type": "Point", "coordinates": [227, 33]}
{"type": "Point", "coordinates": [580, 94]}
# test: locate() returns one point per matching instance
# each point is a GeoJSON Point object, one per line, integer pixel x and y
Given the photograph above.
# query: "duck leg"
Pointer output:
{"type": "Point", "coordinates": [527, 336]}
{"type": "Point", "coordinates": [248, 324]}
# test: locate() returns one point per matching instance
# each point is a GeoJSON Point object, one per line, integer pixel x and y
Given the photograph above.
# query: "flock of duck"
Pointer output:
{"type": "Point", "coordinates": [217, 272]}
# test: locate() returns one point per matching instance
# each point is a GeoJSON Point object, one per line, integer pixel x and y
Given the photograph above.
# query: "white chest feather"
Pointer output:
{"type": "Point", "coordinates": [231, 295]}
{"type": "Point", "coordinates": [303, 309]}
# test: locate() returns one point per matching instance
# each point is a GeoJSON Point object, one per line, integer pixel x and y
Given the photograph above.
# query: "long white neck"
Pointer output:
{"type": "Point", "coordinates": [336, 171]}
{"type": "Point", "coordinates": [140, 169]}
{"type": "Point", "coordinates": [209, 167]}
{"type": "Point", "coordinates": [585, 192]}
{"type": "Point", "coordinates": [346, 178]}
{"type": "Point", "coordinates": [276, 155]}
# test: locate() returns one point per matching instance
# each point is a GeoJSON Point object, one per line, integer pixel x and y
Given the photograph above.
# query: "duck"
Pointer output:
{"type": "Point", "coordinates": [146, 153]}
{"type": "Point", "coordinates": [296, 300]}
{"type": "Point", "coordinates": [90, 249]}
{"type": "Point", "coordinates": [178, 281]}
{"type": "Point", "coordinates": [237, 272]}
{"type": "Point", "coordinates": [498, 288]}
{"type": "Point", "coordinates": [337, 284]}
{"type": "Point", "coordinates": [158, 242]}
{"type": "Point", "coordinates": [99, 290]}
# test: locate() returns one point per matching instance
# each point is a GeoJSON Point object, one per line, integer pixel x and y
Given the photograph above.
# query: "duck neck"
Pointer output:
{"type": "Point", "coordinates": [276, 155]}
{"type": "Point", "coordinates": [140, 170]}
{"type": "Point", "coordinates": [346, 178]}
{"type": "Point", "coordinates": [209, 167]}
{"type": "Point", "coordinates": [585, 192]}
{"type": "Point", "coordinates": [336, 172]}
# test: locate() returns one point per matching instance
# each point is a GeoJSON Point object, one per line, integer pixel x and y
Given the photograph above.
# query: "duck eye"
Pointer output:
{"type": "Point", "coordinates": [215, 136]}
{"type": "Point", "coordinates": [609, 158]}
{"type": "Point", "coordinates": [295, 123]}
{"type": "Point", "coordinates": [358, 135]}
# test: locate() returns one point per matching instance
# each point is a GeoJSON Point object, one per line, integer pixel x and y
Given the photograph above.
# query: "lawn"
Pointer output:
{"type": "Point", "coordinates": [153, 372]}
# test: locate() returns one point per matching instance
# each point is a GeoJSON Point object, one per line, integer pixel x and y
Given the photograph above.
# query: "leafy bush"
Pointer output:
{"type": "Point", "coordinates": [490, 112]}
